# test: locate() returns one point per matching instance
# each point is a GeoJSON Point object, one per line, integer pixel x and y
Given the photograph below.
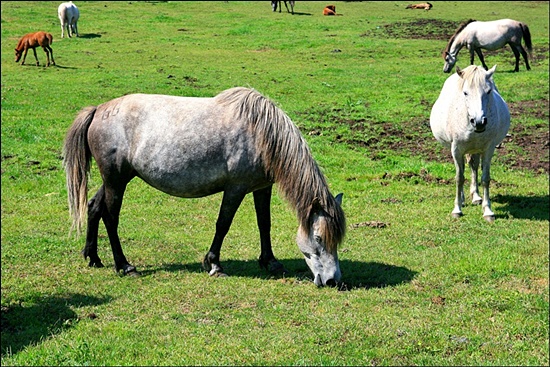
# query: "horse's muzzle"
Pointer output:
{"type": "Point", "coordinates": [479, 126]}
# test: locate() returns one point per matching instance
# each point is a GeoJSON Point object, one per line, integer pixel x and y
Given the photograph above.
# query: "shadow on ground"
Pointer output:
{"type": "Point", "coordinates": [355, 274]}
{"type": "Point", "coordinates": [32, 320]}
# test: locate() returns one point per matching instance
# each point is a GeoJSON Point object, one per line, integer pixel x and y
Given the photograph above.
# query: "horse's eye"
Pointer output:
{"type": "Point", "coordinates": [466, 94]}
{"type": "Point", "coordinates": [318, 239]}
{"type": "Point", "coordinates": [489, 91]}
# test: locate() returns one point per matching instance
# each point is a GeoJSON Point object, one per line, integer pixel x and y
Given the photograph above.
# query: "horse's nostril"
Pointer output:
{"type": "Point", "coordinates": [472, 121]}
{"type": "Point", "coordinates": [484, 121]}
{"type": "Point", "coordinates": [331, 283]}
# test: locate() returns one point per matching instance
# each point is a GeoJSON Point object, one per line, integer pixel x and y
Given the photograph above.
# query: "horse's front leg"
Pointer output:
{"type": "Point", "coordinates": [24, 56]}
{"type": "Point", "coordinates": [459, 178]}
{"type": "Point", "coordinates": [473, 161]}
{"type": "Point", "coordinates": [262, 204]}
{"type": "Point", "coordinates": [485, 180]}
{"type": "Point", "coordinates": [230, 203]}
{"type": "Point", "coordinates": [480, 55]}
{"type": "Point", "coordinates": [35, 56]}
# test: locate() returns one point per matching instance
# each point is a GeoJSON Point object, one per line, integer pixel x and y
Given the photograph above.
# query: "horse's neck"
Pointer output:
{"type": "Point", "coordinates": [21, 44]}
{"type": "Point", "coordinates": [458, 43]}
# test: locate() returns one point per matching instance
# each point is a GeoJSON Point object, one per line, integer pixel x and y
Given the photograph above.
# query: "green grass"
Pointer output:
{"type": "Point", "coordinates": [419, 289]}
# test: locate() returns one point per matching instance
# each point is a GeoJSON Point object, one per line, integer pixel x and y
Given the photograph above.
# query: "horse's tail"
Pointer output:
{"type": "Point", "coordinates": [77, 158]}
{"type": "Point", "coordinates": [527, 37]}
{"type": "Point", "coordinates": [49, 37]}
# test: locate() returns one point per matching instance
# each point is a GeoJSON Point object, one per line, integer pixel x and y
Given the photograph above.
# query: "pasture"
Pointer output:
{"type": "Point", "coordinates": [418, 286]}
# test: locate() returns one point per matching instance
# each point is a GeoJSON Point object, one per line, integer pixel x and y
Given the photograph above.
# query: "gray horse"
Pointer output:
{"type": "Point", "coordinates": [236, 143]}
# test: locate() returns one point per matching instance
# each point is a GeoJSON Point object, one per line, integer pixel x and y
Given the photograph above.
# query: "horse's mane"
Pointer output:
{"type": "Point", "coordinates": [459, 29]}
{"type": "Point", "coordinates": [474, 74]}
{"type": "Point", "coordinates": [22, 40]}
{"type": "Point", "coordinates": [288, 161]}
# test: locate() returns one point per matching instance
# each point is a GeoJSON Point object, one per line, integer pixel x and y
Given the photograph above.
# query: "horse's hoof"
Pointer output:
{"type": "Point", "coordinates": [489, 218]}
{"type": "Point", "coordinates": [457, 215]}
{"type": "Point", "coordinates": [130, 271]}
{"type": "Point", "coordinates": [217, 274]}
{"type": "Point", "coordinates": [476, 202]}
{"type": "Point", "coordinates": [95, 264]}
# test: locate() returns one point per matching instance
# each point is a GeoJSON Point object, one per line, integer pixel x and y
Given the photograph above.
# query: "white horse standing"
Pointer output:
{"type": "Point", "coordinates": [68, 15]}
{"type": "Point", "coordinates": [471, 118]}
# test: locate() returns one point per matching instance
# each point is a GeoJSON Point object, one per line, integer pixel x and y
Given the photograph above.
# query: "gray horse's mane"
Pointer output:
{"type": "Point", "coordinates": [452, 39]}
{"type": "Point", "coordinates": [288, 160]}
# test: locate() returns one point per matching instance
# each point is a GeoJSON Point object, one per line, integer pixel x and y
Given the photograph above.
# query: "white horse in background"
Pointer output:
{"type": "Point", "coordinates": [491, 36]}
{"type": "Point", "coordinates": [471, 118]}
{"type": "Point", "coordinates": [68, 16]}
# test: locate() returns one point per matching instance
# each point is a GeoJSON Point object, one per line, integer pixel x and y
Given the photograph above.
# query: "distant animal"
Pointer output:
{"type": "Point", "coordinates": [277, 4]}
{"type": "Point", "coordinates": [237, 142]}
{"type": "Point", "coordinates": [68, 15]}
{"type": "Point", "coordinates": [493, 35]}
{"type": "Point", "coordinates": [471, 118]}
{"type": "Point", "coordinates": [33, 40]}
{"type": "Point", "coordinates": [426, 6]}
{"type": "Point", "coordinates": [329, 10]}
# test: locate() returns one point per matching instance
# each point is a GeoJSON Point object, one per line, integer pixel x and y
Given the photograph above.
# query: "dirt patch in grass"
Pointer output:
{"type": "Point", "coordinates": [434, 29]}
{"type": "Point", "coordinates": [525, 147]}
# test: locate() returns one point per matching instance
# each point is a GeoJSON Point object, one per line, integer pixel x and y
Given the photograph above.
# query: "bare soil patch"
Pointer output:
{"type": "Point", "coordinates": [526, 147]}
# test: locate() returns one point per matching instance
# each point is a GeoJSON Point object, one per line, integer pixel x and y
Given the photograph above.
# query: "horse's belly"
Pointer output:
{"type": "Point", "coordinates": [191, 178]}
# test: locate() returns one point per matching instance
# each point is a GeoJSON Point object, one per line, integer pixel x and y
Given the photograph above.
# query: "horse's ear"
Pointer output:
{"type": "Point", "coordinates": [338, 198]}
{"type": "Point", "coordinates": [459, 71]}
{"type": "Point", "coordinates": [491, 71]}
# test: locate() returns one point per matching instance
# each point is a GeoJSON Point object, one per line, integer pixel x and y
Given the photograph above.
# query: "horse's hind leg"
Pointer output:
{"type": "Point", "coordinates": [95, 207]}
{"type": "Point", "coordinates": [230, 203]}
{"type": "Point", "coordinates": [113, 203]}
{"type": "Point", "coordinates": [515, 49]}
{"type": "Point", "coordinates": [473, 161]}
{"type": "Point", "coordinates": [48, 48]}
{"type": "Point", "coordinates": [516, 55]}
{"type": "Point", "coordinates": [47, 55]}
{"type": "Point", "coordinates": [485, 180]}
{"type": "Point", "coordinates": [262, 203]}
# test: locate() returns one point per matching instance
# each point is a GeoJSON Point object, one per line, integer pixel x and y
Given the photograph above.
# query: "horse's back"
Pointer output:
{"type": "Point", "coordinates": [68, 12]}
{"type": "Point", "coordinates": [184, 146]}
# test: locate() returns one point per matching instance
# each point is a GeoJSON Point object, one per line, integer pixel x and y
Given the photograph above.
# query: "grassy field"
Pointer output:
{"type": "Point", "coordinates": [419, 288]}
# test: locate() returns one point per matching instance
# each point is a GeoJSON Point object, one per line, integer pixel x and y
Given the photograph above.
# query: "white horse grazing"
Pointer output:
{"type": "Point", "coordinates": [471, 118]}
{"type": "Point", "coordinates": [68, 16]}
{"type": "Point", "coordinates": [491, 36]}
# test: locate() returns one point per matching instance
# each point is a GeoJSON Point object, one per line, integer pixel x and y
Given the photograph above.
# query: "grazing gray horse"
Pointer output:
{"type": "Point", "coordinates": [489, 36]}
{"type": "Point", "coordinates": [471, 118]}
{"type": "Point", "coordinates": [237, 143]}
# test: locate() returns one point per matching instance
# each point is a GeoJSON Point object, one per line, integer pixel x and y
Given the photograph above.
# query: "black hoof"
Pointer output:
{"type": "Point", "coordinates": [95, 264]}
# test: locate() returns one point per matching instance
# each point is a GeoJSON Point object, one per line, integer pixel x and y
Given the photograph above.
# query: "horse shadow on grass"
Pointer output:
{"type": "Point", "coordinates": [523, 207]}
{"type": "Point", "coordinates": [355, 274]}
{"type": "Point", "coordinates": [24, 325]}
{"type": "Point", "coordinates": [89, 35]}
